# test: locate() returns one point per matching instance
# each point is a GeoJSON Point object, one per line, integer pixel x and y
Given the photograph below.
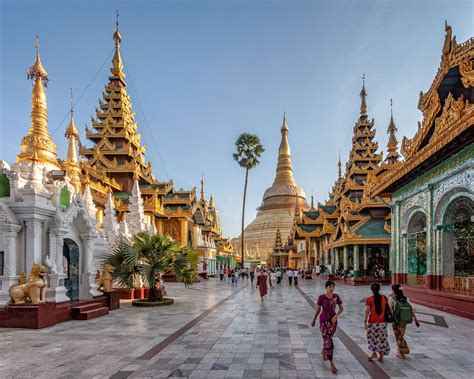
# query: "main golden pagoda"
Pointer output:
{"type": "Point", "coordinates": [277, 208]}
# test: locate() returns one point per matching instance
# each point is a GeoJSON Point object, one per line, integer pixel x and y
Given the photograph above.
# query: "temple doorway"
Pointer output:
{"type": "Point", "coordinates": [71, 268]}
{"type": "Point", "coordinates": [416, 246]}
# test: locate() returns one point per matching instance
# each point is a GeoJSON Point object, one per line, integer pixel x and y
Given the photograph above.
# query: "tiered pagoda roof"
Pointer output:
{"type": "Point", "coordinates": [350, 215]}
{"type": "Point", "coordinates": [117, 153]}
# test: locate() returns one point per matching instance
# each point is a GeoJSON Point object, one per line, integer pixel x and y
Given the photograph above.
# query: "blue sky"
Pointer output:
{"type": "Point", "coordinates": [205, 71]}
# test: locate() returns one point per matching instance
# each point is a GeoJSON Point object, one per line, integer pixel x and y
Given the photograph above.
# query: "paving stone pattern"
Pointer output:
{"type": "Point", "coordinates": [241, 338]}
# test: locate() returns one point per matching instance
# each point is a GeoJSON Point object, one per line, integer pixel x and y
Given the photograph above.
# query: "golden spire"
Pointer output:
{"type": "Point", "coordinates": [38, 143]}
{"type": "Point", "coordinates": [71, 163]}
{"type": "Point", "coordinates": [363, 95]}
{"type": "Point", "coordinates": [211, 202]}
{"type": "Point", "coordinates": [117, 65]}
{"type": "Point", "coordinates": [284, 170]}
{"type": "Point", "coordinates": [392, 145]}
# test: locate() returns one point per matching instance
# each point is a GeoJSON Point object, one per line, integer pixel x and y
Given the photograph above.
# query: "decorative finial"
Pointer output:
{"type": "Point", "coordinates": [37, 70]}
{"type": "Point", "coordinates": [116, 18]}
{"type": "Point", "coordinates": [284, 126]}
{"type": "Point", "coordinates": [72, 103]}
{"type": "Point", "coordinates": [339, 165]}
{"type": "Point", "coordinates": [363, 95]}
{"type": "Point", "coordinates": [202, 187]}
{"type": "Point", "coordinates": [117, 65]}
{"type": "Point", "coordinates": [312, 201]}
{"type": "Point", "coordinates": [392, 145]}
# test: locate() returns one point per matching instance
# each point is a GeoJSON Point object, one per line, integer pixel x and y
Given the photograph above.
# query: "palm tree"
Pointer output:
{"type": "Point", "coordinates": [249, 149]}
{"type": "Point", "coordinates": [149, 257]}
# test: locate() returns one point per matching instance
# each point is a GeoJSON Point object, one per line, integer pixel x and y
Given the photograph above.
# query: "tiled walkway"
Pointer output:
{"type": "Point", "coordinates": [232, 335]}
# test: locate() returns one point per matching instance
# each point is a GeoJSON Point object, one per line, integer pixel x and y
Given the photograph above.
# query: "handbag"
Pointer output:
{"type": "Point", "coordinates": [389, 317]}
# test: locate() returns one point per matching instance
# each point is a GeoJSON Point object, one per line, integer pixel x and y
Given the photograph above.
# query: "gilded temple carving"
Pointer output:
{"type": "Point", "coordinates": [172, 228]}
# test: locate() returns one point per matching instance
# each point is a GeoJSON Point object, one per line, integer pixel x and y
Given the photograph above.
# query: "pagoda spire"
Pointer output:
{"type": "Point", "coordinates": [363, 95]}
{"type": "Point", "coordinates": [392, 145]}
{"type": "Point", "coordinates": [37, 144]}
{"type": "Point", "coordinates": [71, 162]}
{"type": "Point", "coordinates": [284, 170]}
{"type": "Point", "coordinates": [117, 64]}
{"type": "Point", "coordinates": [312, 202]}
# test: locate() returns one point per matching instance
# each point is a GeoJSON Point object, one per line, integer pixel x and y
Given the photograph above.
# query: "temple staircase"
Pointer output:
{"type": "Point", "coordinates": [88, 311]}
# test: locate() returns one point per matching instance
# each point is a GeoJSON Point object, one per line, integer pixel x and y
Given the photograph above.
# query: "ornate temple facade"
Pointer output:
{"type": "Point", "coordinates": [66, 214]}
{"type": "Point", "coordinates": [432, 190]}
{"type": "Point", "coordinates": [277, 208]}
{"type": "Point", "coordinates": [44, 218]}
{"type": "Point", "coordinates": [350, 232]}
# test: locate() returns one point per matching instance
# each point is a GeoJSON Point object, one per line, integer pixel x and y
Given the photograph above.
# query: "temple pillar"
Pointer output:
{"type": "Point", "coordinates": [336, 260]}
{"type": "Point", "coordinates": [356, 261]}
{"type": "Point", "coordinates": [56, 292]}
{"type": "Point", "coordinates": [365, 261]}
{"type": "Point", "coordinates": [184, 231]}
{"type": "Point", "coordinates": [345, 259]}
{"type": "Point", "coordinates": [34, 243]}
{"type": "Point", "coordinates": [430, 256]}
{"type": "Point", "coordinates": [10, 275]}
{"type": "Point", "coordinates": [88, 286]}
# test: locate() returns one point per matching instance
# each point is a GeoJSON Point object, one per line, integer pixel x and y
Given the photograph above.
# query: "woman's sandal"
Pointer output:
{"type": "Point", "coordinates": [371, 358]}
{"type": "Point", "coordinates": [333, 368]}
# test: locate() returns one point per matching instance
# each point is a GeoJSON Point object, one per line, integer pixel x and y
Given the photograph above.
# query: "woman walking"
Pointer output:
{"type": "Point", "coordinates": [404, 314]}
{"type": "Point", "coordinates": [328, 320]}
{"type": "Point", "coordinates": [374, 323]}
{"type": "Point", "coordinates": [262, 284]}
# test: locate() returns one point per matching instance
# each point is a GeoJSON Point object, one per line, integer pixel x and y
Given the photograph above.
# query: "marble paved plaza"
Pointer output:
{"type": "Point", "coordinates": [216, 330]}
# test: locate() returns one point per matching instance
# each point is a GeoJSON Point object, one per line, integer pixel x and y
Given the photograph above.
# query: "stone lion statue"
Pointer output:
{"type": "Point", "coordinates": [34, 290]}
{"type": "Point", "coordinates": [105, 281]}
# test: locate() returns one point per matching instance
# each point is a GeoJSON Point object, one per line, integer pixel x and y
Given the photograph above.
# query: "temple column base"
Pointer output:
{"type": "Point", "coordinates": [56, 292]}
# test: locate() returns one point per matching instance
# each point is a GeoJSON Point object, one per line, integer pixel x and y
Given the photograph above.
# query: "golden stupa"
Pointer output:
{"type": "Point", "coordinates": [278, 206]}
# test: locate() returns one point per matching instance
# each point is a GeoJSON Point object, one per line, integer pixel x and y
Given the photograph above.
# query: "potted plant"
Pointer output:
{"type": "Point", "coordinates": [148, 257]}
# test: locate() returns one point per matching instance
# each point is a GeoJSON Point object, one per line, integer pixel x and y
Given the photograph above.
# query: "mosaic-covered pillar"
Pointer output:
{"type": "Point", "coordinates": [345, 260]}
{"type": "Point", "coordinates": [365, 260]}
{"type": "Point", "coordinates": [430, 254]}
{"type": "Point", "coordinates": [356, 261]}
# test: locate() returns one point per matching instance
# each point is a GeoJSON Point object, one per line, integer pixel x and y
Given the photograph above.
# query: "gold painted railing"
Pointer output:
{"type": "Point", "coordinates": [459, 284]}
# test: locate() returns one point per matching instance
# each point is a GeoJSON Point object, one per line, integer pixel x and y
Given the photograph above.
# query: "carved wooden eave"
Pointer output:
{"type": "Point", "coordinates": [456, 117]}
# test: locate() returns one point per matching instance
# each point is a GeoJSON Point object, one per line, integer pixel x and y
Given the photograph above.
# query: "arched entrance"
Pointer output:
{"type": "Point", "coordinates": [416, 253]}
{"type": "Point", "coordinates": [458, 244]}
{"type": "Point", "coordinates": [71, 268]}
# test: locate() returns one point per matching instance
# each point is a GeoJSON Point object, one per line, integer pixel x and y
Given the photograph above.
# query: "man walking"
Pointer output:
{"type": "Point", "coordinates": [295, 277]}
{"type": "Point", "coordinates": [289, 274]}
{"type": "Point", "coordinates": [252, 275]}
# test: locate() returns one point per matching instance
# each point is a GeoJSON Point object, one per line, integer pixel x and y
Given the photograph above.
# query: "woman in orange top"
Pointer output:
{"type": "Point", "coordinates": [374, 323]}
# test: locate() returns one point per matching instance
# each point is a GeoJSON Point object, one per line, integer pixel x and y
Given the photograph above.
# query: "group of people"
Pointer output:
{"type": "Point", "coordinates": [380, 311]}
{"type": "Point", "coordinates": [269, 277]}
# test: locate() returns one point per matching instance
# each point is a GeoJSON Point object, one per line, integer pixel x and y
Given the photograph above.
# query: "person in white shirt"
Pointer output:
{"type": "Point", "coordinates": [295, 277]}
{"type": "Point", "coordinates": [278, 276]}
{"type": "Point", "coordinates": [289, 274]}
{"type": "Point", "coordinates": [318, 270]}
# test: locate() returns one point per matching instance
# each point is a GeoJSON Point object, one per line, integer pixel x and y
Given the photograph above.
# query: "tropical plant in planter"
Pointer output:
{"type": "Point", "coordinates": [148, 257]}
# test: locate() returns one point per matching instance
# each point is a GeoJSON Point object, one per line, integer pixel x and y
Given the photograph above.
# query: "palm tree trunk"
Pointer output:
{"type": "Point", "coordinates": [243, 218]}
